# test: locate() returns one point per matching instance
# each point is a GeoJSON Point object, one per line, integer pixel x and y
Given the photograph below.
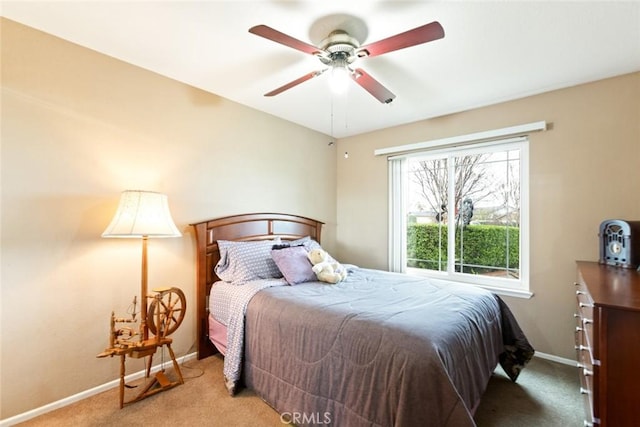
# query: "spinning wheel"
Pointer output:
{"type": "Point", "coordinates": [162, 317]}
{"type": "Point", "coordinates": [166, 311]}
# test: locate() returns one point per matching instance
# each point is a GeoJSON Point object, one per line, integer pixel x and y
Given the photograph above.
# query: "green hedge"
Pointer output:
{"type": "Point", "coordinates": [484, 245]}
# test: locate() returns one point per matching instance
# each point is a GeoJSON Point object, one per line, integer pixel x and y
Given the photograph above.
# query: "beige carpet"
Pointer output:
{"type": "Point", "coordinates": [546, 395]}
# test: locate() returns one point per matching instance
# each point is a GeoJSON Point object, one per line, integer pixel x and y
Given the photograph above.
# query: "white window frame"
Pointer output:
{"type": "Point", "coordinates": [398, 185]}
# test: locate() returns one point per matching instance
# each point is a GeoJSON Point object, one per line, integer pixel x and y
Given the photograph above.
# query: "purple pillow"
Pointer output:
{"type": "Point", "coordinates": [294, 264]}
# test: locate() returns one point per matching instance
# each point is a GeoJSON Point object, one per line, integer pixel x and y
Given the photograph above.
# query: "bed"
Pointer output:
{"type": "Point", "coordinates": [377, 349]}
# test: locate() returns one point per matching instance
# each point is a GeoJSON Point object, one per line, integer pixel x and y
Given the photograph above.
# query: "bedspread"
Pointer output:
{"type": "Point", "coordinates": [378, 349]}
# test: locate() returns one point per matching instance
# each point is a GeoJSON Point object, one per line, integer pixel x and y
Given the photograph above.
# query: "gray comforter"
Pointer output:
{"type": "Point", "coordinates": [379, 349]}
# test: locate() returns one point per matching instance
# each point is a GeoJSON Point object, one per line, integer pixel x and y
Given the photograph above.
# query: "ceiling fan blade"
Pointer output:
{"type": "Point", "coordinates": [423, 34]}
{"type": "Point", "coordinates": [296, 82]}
{"type": "Point", "coordinates": [372, 86]}
{"type": "Point", "coordinates": [278, 37]}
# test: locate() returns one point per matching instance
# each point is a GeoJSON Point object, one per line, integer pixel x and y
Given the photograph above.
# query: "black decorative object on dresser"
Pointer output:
{"type": "Point", "coordinates": [620, 243]}
{"type": "Point", "coordinates": [608, 343]}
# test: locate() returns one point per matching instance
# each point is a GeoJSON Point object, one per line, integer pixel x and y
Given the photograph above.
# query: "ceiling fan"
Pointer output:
{"type": "Point", "coordinates": [339, 50]}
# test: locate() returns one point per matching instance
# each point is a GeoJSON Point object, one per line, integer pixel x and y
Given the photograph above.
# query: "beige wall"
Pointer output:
{"type": "Point", "coordinates": [585, 169]}
{"type": "Point", "coordinates": [77, 129]}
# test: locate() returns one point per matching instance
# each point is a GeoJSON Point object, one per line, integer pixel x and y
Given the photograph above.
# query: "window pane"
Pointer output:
{"type": "Point", "coordinates": [427, 214]}
{"type": "Point", "coordinates": [487, 222]}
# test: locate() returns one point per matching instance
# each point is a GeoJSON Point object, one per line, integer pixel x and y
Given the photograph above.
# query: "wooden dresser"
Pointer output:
{"type": "Point", "coordinates": [608, 343]}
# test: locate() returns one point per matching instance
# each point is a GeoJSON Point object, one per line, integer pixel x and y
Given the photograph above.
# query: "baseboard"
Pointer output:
{"type": "Point", "coordinates": [25, 416]}
{"type": "Point", "coordinates": [558, 359]}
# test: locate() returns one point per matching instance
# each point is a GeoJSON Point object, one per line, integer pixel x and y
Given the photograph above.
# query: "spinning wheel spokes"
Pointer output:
{"type": "Point", "coordinates": [166, 312]}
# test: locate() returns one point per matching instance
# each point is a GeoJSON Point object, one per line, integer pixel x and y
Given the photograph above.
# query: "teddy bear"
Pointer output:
{"type": "Point", "coordinates": [326, 269]}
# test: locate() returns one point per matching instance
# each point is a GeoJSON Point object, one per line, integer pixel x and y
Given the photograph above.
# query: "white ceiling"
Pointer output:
{"type": "Point", "coordinates": [491, 52]}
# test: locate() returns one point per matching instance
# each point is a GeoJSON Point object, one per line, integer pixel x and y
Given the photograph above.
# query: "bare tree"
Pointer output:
{"type": "Point", "coordinates": [432, 179]}
{"type": "Point", "coordinates": [509, 194]}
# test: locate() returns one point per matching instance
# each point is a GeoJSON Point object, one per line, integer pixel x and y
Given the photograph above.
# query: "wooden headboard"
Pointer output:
{"type": "Point", "coordinates": [246, 227]}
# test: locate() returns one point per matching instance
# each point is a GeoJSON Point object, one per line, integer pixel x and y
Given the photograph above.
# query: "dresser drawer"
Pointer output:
{"type": "Point", "coordinates": [586, 373]}
{"type": "Point", "coordinates": [586, 391]}
{"type": "Point", "coordinates": [584, 302]}
{"type": "Point", "coordinates": [584, 356]}
{"type": "Point", "coordinates": [585, 326]}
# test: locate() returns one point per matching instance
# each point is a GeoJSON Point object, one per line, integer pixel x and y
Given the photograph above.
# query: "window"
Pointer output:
{"type": "Point", "coordinates": [462, 214]}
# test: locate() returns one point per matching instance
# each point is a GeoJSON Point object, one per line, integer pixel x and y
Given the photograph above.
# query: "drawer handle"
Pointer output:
{"type": "Point", "coordinates": [587, 424]}
{"type": "Point", "coordinates": [581, 293]}
{"type": "Point", "coordinates": [581, 347]}
{"type": "Point", "coordinates": [579, 329]}
{"type": "Point", "coordinates": [587, 373]}
{"type": "Point", "coordinates": [584, 390]}
{"type": "Point", "coordinates": [584, 304]}
{"type": "Point", "coordinates": [586, 321]}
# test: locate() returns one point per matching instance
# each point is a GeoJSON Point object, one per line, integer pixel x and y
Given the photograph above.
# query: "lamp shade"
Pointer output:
{"type": "Point", "coordinates": [142, 214]}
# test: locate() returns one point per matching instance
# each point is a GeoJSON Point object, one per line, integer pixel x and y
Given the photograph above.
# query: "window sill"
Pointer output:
{"type": "Point", "coordinates": [517, 293]}
{"type": "Point", "coordinates": [496, 289]}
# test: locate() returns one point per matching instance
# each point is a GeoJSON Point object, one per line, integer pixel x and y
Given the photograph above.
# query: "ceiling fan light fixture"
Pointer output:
{"type": "Point", "coordinates": [339, 78]}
